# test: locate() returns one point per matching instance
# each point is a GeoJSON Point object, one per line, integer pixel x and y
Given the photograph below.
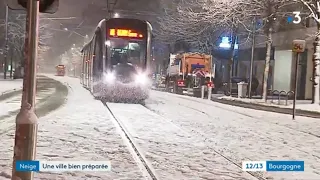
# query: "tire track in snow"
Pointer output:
{"type": "Point", "coordinates": [46, 94]}
{"type": "Point", "coordinates": [138, 156]}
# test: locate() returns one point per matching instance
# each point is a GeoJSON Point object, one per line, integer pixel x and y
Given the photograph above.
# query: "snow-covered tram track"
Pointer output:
{"type": "Point", "coordinates": [256, 175]}
{"type": "Point", "coordinates": [119, 113]}
{"type": "Point", "coordinates": [137, 154]}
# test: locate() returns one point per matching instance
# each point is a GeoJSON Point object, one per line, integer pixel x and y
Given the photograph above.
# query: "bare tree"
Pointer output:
{"type": "Point", "coordinates": [202, 22]}
{"type": "Point", "coordinates": [16, 35]}
{"type": "Point", "coordinates": [190, 21]}
{"type": "Point", "coordinates": [313, 7]}
{"type": "Point", "coordinates": [193, 20]}
{"type": "Point", "coordinates": [269, 11]}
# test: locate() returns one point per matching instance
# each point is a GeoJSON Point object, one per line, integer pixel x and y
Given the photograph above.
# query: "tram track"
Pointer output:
{"type": "Point", "coordinates": [137, 154]}
{"type": "Point", "coordinates": [257, 175]}
{"type": "Point", "coordinates": [143, 161]}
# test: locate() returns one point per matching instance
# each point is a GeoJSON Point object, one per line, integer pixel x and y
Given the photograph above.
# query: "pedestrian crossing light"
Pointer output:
{"type": "Point", "coordinates": [46, 6]}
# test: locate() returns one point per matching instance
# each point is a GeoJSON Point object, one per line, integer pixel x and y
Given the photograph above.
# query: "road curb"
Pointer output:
{"type": "Point", "coordinates": [256, 106]}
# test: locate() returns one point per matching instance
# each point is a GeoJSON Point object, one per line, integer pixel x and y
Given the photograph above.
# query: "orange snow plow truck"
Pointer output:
{"type": "Point", "coordinates": [188, 72]}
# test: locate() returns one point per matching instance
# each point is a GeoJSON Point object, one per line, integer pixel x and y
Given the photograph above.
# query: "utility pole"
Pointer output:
{"type": "Point", "coordinates": [27, 121]}
{"type": "Point", "coordinates": [252, 55]}
{"type": "Point", "coordinates": [6, 45]}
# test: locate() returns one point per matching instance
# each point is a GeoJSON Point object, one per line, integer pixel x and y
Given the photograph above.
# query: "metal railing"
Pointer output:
{"type": "Point", "coordinates": [279, 93]}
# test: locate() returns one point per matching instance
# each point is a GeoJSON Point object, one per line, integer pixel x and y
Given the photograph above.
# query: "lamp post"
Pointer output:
{"type": "Point", "coordinates": [252, 55]}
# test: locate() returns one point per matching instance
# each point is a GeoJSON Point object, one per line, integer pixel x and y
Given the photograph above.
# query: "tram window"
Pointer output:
{"type": "Point", "coordinates": [124, 51]}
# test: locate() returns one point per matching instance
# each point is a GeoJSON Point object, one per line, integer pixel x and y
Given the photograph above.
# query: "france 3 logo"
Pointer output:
{"type": "Point", "coordinates": [273, 166]}
{"type": "Point", "coordinates": [295, 19]}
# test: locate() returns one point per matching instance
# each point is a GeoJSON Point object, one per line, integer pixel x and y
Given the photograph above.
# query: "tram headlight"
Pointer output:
{"type": "Point", "coordinates": [109, 77]}
{"type": "Point", "coordinates": [141, 79]}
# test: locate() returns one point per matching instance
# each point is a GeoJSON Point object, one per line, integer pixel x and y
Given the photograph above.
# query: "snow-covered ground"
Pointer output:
{"type": "Point", "coordinates": [172, 152]}
{"type": "Point", "coordinates": [79, 131]}
{"type": "Point", "coordinates": [10, 107]}
{"type": "Point", "coordinates": [243, 134]}
{"type": "Point", "coordinates": [183, 138]}
{"type": "Point", "coordinates": [10, 85]}
{"type": "Point", "coordinates": [14, 103]}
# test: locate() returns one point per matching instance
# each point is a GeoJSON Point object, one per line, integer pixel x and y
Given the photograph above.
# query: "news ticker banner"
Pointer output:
{"type": "Point", "coordinates": [292, 166]}
{"type": "Point", "coordinates": [48, 166]}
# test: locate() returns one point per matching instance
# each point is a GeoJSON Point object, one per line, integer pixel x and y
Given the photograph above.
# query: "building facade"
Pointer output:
{"type": "Point", "coordinates": [282, 68]}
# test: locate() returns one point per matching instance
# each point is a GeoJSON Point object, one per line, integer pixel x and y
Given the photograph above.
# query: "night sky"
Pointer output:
{"type": "Point", "coordinates": [87, 13]}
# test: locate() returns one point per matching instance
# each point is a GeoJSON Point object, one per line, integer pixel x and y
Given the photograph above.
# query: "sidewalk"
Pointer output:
{"type": "Point", "coordinates": [9, 85]}
{"type": "Point", "coordinates": [303, 107]}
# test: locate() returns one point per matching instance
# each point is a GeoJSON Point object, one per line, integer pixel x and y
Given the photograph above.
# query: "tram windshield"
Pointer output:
{"type": "Point", "coordinates": [125, 51]}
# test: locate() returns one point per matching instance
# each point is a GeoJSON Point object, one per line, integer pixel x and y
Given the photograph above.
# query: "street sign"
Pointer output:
{"type": "Point", "coordinates": [298, 46]}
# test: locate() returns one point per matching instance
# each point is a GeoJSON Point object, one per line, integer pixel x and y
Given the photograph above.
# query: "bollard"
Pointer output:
{"type": "Point", "coordinates": [202, 92]}
{"type": "Point", "coordinates": [209, 93]}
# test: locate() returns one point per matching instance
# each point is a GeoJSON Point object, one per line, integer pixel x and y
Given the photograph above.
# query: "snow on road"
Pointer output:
{"type": "Point", "coordinates": [10, 85]}
{"type": "Point", "coordinates": [9, 108]}
{"type": "Point", "coordinates": [79, 131]}
{"type": "Point", "coordinates": [243, 134]}
{"type": "Point", "coordinates": [14, 103]}
{"type": "Point", "coordinates": [174, 153]}
{"type": "Point", "coordinates": [183, 138]}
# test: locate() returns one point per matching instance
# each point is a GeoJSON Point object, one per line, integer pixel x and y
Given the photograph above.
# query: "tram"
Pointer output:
{"type": "Point", "coordinates": [115, 63]}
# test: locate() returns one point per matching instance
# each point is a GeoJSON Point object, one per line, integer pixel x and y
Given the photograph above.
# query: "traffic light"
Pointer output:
{"type": "Point", "coordinates": [46, 6]}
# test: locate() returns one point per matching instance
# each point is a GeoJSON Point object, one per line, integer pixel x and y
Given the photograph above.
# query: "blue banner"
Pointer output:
{"type": "Point", "coordinates": [285, 165]}
{"type": "Point", "coordinates": [27, 166]}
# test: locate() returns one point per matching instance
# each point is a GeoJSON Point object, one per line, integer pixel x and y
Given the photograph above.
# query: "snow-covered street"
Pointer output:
{"type": "Point", "coordinates": [7, 86]}
{"type": "Point", "coordinates": [179, 137]}
{"type": "Point", "coordinates": [244, 134]}
{"type": "Point", "coordinates": [80, 130]}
